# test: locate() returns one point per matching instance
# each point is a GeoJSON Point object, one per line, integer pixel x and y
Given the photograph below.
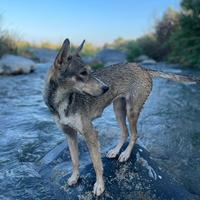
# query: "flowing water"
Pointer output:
{"type": "Point", "coordinates": [169, 127]}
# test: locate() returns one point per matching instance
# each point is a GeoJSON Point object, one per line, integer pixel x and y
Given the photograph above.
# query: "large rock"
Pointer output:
{"type": "Point", "coordinates": [148, 62]}
{"type": "Point", "coordinates": [141, 58]}
{"type": "Point", "coordinates": [13, 65]}
{"type": "Point", "coordinates": [138, 178]}
{"type": "Point", "coordinates": [43, 55]}
{"type": "Point", "coordinates": [110, 56]}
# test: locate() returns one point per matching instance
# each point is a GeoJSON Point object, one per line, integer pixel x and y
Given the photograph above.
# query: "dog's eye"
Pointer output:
{"type": "Point", "coordinates": [84, 73]}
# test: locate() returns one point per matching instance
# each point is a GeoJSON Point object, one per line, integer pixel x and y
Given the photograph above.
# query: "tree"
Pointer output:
{"type": "Point", "coordinates": [163, 31]}
{"type": "Point", "coordinates": [186, 39]}
{"type": "Point", "coordinates": [133, 50]}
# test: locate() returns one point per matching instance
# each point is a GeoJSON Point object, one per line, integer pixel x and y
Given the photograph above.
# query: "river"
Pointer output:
{"type": "Point", "coordinates": [168, 127]}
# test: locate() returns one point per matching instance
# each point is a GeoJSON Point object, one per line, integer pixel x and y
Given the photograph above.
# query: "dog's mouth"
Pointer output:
{"type": "Point", "coordinates": [95, 87]}
{"type": "Point", "coordinates": [98, 93]}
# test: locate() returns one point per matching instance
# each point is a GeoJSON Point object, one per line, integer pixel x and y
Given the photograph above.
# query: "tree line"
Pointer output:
{"type": "Point", "coordinates": [175, 39]}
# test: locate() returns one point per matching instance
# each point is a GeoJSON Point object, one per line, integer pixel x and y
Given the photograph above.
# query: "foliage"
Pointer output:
{"type": "Point", "coordinates": [7, 43]}
{"type": "Point", "coordinates": [119, 44]}
{"type": "Point", "coordinates": [89, 50]}
{"type": "Point", "coordinates": [186, 39]}
{"type": "Point", "coordinates": [97, 65]}
{"type": "Point", "coordinates": [164, 29]}
{"type": "Point", "coordinates": [155, 45]}
{"type": "Point", "coordinates": [133, 50]}
{"type": "Point", "coordinates": [176, 38]}
{"type": "Point", "coordinates": [149, 46]}
{"type": "Point", "coordinates": [48, 45]}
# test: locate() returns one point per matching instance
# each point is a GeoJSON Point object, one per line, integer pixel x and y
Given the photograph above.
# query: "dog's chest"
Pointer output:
{"type": "Point", "coordinates": [72, 120]}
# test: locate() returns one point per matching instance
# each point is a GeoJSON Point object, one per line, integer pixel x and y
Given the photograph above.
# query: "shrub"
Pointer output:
{"type": "Point", "coordinates": [186, 39]}
{"type": "Point", "coordinates": [97, 65]}
{"type": "Point", "coordinates": [133, 50]}
{"type": "Point", "coordinates": [164, 29]}
{"type": "Point", "coordinates": [149, 46]}
{"type": "Point", "coordinates": [7, 44]}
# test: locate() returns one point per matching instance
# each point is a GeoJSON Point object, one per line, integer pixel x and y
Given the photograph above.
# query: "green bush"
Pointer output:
{"type": "Point", "coordinates": [149, 46]}
{"type": "Point", "coordinates": [186, 39]}
{"type": "Point", "coordinates": [7, 44]}
{"type": "Point", "coordinates": [133, 50]}
{"type": "Point", "coordinates": [97, 65]}
{"type": "Point", "coordinates": [163, 31]}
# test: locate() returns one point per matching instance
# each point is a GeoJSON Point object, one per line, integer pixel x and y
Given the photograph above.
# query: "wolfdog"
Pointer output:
{"type": "Point", "coordinates": [76, 95]}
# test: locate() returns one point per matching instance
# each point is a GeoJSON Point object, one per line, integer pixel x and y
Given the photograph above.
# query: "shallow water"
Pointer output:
{"type": "Point", "coordinates": [168, 127]}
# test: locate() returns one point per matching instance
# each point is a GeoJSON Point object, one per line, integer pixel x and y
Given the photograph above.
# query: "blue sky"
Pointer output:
{"type": "Point", "coordinates": [97, 21]}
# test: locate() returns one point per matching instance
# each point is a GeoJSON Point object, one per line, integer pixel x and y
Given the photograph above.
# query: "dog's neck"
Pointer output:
{"type": "Point", "coordinates": [69, 98]}
{"type": "Point", "coordinates": [55, 95]}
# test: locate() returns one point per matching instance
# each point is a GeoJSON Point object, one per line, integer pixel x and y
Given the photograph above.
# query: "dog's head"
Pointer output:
{"type": "Point", "coordinates": [72, 73]}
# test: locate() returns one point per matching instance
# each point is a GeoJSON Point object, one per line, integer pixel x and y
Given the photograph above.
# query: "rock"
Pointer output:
{"type": "Point", "coordinates": [110, 56]}
{"type": "Point", "coordinates": [148, 62]}
{"type": "Point", "coordinates": [53, 154]}
{"type": "Point", "coordinates": [88, 59]}
{"type": "Point", "coordinates": [141, 58]}
{"type": "Point", "coordinates": [13, 65]}
{"type": "Point", "coordinates": [43, 55]}
{"type": "Point", "coordinates": [138, 178]}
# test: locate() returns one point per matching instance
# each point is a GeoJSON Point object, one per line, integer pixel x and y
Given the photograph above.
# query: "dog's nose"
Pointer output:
{"type": "Point", "coordinates": [105, 89]}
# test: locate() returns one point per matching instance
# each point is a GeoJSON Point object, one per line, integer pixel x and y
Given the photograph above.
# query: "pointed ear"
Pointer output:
{"type": "Point", "coordinates": [63, 53]}
{"type": "Point", "coordinates": [80, 48]}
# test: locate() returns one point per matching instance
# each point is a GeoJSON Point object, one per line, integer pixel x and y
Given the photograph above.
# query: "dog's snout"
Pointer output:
{"type": "Point", "coordinates": [105, 88]}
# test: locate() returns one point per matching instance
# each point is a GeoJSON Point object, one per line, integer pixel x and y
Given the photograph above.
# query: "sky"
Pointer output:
{"type": "Point", "coordinates": [97, 21]}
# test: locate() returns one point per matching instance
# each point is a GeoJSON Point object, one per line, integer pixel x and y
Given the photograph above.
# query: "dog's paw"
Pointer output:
{"type": "Point", "coordinates": [112, 153]}
{"type": "Point", "coordinates": [98, 188]}
{"type": "Point", "coordinates": [124, 156]}
{"type": "Point", "coordinates": [73, 179]}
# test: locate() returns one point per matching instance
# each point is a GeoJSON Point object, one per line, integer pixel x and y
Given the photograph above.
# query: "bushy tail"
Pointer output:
{"type": "Point", "coordinates": [174, 77]}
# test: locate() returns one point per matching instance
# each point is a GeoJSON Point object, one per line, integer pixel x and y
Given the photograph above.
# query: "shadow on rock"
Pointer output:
{"type": "Point", "coordinates": [138, 178]}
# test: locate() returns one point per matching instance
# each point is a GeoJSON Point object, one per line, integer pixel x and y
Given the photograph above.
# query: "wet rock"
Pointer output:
{"type": "Point", "coordinates": [110, 56]}
{"type": "Point", "coordinates": [141, 58]}
{"type": "Point", "coordinates": [53, 154]}
{"type": "Point", "coordinates": [148, 62]}
{"type": "Point", "coordinates": [138, 178]}
{"type": "Point", "coordinates": [13, 65]}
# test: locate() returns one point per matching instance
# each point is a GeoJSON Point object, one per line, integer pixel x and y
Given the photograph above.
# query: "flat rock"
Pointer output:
{"type": "Point", "coordinates": [138, 178]}
{"type": "Point", "coordinates": [13, 65]}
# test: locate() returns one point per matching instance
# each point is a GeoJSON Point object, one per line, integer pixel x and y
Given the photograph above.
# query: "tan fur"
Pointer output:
{"type": "Point", "coordinates": [75, 95]}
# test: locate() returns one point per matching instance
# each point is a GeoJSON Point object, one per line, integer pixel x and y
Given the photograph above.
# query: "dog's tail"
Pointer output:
{"type": "Point", "coordinates": [174, 77]}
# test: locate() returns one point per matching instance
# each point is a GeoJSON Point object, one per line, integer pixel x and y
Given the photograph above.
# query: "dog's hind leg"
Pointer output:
{"type": "Point", "coordinates": [73, 148]}
{"type": "Point", "coordinates": [134, 105]}
{"type": "Point", "coordinates": [119, 106]}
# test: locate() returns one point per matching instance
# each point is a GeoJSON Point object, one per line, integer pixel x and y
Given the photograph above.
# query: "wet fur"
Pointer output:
{"type": "Point", "coordinates": [129, 86]}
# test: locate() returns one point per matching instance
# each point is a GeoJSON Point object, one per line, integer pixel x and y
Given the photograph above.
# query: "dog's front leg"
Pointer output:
{"type": "Point", "coordinates": [73, 148]}
{"type": "Point", "coordinates": [93, 146]}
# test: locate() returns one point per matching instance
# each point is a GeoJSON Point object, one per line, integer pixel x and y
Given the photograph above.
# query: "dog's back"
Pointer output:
{"type": "Point", "coordinates": [122, 79]}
